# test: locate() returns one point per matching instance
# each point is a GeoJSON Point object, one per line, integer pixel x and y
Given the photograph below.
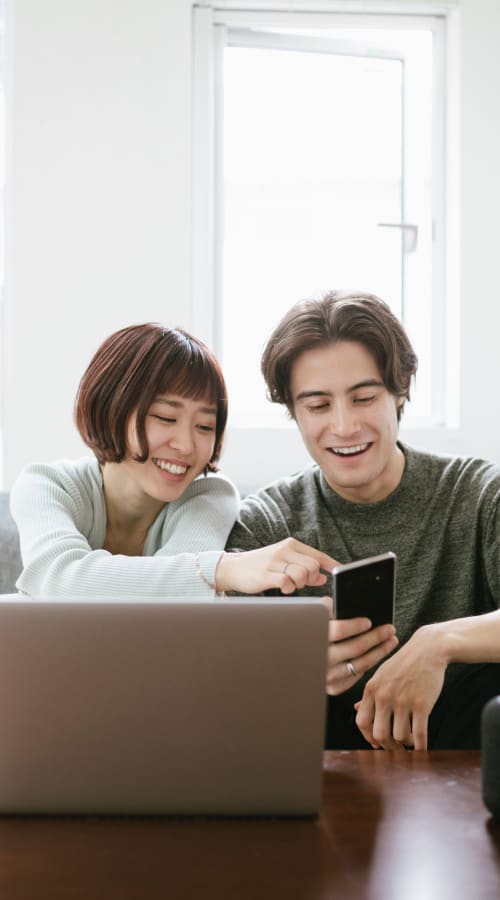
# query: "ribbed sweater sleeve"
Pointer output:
{"type": "Point", "coordinates": [60, 513]}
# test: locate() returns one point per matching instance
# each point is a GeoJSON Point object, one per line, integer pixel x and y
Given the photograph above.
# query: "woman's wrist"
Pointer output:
{"type": "Point", "coordinates": [213, 585]}
{"type": "Point", "coordinates": [224, 580]}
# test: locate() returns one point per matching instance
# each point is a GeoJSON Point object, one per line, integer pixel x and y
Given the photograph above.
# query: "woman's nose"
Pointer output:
{"type": "Point", "coordinates": [181, 439]}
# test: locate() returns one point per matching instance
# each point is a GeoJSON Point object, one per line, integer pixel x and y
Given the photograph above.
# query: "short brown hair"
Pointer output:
{"type": "Point", "coordinates": [128, 371]}
{"type": "Point", "coordinates": [339, 316]}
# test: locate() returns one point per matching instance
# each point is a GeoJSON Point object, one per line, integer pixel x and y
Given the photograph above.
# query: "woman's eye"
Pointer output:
{"type": "Point", "coordinates": [318, 407]}
{"type": "Point", "coordinates": [206, 428]}
{"type": "Point", "coordinates": [164, 419]}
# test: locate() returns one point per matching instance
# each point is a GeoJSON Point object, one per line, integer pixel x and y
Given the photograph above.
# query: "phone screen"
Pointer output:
{"type": "Point", "coordinates": [366, 588]}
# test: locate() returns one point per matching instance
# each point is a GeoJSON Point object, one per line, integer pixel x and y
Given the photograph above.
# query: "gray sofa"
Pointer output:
{"type": "Point", "coordinates": [10, 556]}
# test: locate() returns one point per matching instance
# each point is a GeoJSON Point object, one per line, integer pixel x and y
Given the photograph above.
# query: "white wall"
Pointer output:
{"type": "Point", "coordinates": [98, 211]}
{"type": "Point", "coordinates": [99, 214]}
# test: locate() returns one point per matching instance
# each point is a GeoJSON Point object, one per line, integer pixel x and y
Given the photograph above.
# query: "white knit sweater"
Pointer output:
{"type": "Point", "coordinates": [60, 511]}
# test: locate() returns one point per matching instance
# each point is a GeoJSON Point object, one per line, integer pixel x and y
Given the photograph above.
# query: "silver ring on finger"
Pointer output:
{"type": "Point", "coordinates": [351, 668]}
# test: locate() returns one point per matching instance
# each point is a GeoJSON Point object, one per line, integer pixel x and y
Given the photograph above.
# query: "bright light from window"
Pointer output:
{"type": "Point", "coordinates": [320, 149]}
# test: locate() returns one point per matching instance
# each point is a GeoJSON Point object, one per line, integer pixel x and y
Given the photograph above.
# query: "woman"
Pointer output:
{"type": "Point", "coordinates": [146, 516]}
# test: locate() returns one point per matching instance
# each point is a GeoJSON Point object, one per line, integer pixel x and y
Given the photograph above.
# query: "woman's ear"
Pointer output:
{"type": "Point", "coordinates": [400, 402]}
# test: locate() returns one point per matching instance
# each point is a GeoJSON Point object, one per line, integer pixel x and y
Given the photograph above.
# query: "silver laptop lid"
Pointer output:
{"type": "Point", "coordinates": [172, 707]}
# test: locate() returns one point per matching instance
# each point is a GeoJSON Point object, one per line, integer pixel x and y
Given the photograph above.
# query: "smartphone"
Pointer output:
{"type": "Point", "coordinates": [366, 588]}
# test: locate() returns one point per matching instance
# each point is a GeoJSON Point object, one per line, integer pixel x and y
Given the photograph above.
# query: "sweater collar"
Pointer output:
{"type": "Point", "coordinates": [408, 491]}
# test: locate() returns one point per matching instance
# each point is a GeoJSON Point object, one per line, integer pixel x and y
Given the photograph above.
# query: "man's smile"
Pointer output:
{"type": "Point", "coordinates": [355, 450]}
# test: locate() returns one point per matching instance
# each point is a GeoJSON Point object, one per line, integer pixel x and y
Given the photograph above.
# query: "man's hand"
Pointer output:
{"type": "Point", "coordinates": [288, 565]}
{"type": "Point", "coordinates": [398, 699]}
{"type": "Point", "coordinates": [354, 648]}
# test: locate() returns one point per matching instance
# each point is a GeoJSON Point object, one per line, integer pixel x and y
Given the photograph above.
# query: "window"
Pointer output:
{"type": "Point", "coordinates": [319, 146]}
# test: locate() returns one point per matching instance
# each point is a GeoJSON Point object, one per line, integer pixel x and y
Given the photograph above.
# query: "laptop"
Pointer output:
{"type": "Point", "coordinates": [175, 707]}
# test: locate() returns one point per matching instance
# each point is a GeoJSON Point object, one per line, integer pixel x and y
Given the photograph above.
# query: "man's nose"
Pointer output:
{"type": "Point", "coordinates": [344, 420]}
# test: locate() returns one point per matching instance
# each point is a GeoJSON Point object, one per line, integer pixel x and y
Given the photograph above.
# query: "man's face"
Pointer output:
{"type": "Point", "coordinates": [348, 420]}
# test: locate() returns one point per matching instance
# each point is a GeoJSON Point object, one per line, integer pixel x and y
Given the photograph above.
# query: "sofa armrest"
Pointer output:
{"type": "Point", "coordinates": [10, 554]}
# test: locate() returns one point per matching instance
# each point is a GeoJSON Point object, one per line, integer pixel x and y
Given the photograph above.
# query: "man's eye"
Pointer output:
{"type": "Point", "coordinates": [364, 399]}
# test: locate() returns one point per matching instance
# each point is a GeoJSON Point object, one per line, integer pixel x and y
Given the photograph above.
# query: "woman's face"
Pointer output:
{"type": "Point", "coordinates": [180, 434]}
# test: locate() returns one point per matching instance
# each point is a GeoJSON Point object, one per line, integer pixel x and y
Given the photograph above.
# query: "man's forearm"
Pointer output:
{"type": "Point", "coordinates": [475, 639]}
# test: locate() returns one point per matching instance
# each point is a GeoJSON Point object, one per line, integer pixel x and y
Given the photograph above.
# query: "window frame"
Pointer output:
{"type": "Point", "coordinates": [209, 25]}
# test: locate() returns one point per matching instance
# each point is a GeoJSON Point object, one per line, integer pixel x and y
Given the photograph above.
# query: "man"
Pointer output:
{"type": "Point", "coordinates": [343, 366]}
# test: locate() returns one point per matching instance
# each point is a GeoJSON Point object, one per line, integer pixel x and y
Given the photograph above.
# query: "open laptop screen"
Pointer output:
{"type": "Point", "coordinates": [188, 707]}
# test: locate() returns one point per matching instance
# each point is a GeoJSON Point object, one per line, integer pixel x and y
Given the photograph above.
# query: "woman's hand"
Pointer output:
{"type": "Point", "coordinates": [354, 648]}
{"type": "Point", "coordinates": [288, 566]}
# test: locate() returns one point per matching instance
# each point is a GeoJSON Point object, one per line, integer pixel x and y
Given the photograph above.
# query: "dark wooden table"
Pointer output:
{"type": "Point", "coordinates": [394, 826]}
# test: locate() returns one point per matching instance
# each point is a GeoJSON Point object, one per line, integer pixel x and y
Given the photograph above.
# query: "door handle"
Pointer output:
{"type": "Point", "coordinates": [410, 234]}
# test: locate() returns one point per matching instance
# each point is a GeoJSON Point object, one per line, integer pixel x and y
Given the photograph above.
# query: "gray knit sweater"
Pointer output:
{"type": "Point", "coordinates": [442, 521]}
{"type": "Point", "coordinates": [60, 512]}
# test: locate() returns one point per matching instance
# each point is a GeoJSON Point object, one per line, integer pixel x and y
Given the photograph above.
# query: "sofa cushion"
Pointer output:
{"type": "Point", "coordinates": [10, 555]}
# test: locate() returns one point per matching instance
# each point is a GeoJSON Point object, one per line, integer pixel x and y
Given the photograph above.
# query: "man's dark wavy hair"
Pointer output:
{"type": "Point", "coordinates": [340, 316]}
